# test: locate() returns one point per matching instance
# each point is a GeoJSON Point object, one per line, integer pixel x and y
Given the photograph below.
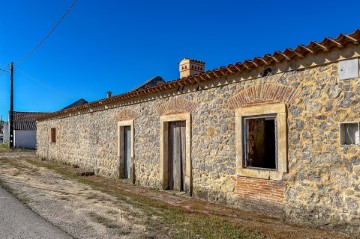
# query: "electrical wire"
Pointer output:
{"type": "Point", "coordinates": [41, 83]}
{"type": "Point", "coordinates": [47, 35]}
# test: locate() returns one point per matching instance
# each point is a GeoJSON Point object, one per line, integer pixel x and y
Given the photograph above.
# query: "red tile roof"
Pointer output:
{"type": "Point", "coordinates": [26, 120]}
{"type": "Point", "coordinates": [288, 54]}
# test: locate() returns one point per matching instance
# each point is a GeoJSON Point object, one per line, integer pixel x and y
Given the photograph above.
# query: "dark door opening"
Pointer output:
{"type": "Point", "coordinates": [127, 151]}
{"type": "Point", "coordinates": [177, 155]}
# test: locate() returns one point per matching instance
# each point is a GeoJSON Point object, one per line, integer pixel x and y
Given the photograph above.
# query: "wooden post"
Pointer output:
{"type": "Point", "coordinates": [11, 112]}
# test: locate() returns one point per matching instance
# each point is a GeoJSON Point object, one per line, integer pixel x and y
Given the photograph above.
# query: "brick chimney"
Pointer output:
{"type": "Point", "coordinates": [189, 67]}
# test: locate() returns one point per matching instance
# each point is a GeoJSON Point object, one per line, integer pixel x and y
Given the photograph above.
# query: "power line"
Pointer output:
{"type": "Point", "coordinates": [42, 83]}
{"type": "Point", "coordinates": [47, 35]}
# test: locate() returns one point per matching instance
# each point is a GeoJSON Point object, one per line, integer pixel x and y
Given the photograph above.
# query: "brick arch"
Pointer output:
{"type": "Point", "coordinates": [126, 114]}
{"type": "Point", "coordinates": [263, 93]}
{"type": "Point", "coordinates": [175, 106]}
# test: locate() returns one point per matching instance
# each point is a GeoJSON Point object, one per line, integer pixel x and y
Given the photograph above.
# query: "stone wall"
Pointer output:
{"type": "Point", "coordinates": [321, 186]}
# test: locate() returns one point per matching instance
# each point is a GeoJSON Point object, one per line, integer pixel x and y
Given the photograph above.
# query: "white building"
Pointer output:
{"type": "Point", "coordinates": [25, 129]}
{"type": "Point", "coordinates": [5, 132]}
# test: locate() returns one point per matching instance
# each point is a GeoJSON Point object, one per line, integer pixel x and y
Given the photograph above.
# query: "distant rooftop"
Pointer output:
{"type": "Point", "coordinates": [157, 80]}
{"type": "Point", "coordinates": [77, 103]}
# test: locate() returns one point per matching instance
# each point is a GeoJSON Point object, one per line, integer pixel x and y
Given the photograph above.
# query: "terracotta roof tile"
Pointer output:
{"type": "Point", "coordinates": [26, 120]}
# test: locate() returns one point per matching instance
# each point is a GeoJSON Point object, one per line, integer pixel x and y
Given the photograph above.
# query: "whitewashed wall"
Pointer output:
{"type": "Point", "coordinates": [25, 139]}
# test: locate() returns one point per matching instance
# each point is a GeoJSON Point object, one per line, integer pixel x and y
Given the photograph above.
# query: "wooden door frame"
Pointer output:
{"type": "Point", "coordinates": [164, 150]}
{"type": "Point", "coordinates": [120, 136]}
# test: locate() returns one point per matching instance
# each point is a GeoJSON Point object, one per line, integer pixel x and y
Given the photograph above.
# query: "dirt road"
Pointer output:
{"type": "Point", "coordinates": [96, 207]}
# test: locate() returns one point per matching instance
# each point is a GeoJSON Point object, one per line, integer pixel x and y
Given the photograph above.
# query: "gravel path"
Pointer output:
{"type": "Point", "coordinates": [19, 221]}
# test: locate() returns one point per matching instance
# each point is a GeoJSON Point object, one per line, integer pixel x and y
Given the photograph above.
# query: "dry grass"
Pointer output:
{"type": "Point", "coordinates": [21, 198]}
{"type": "Point", "coordinates": [102, 220]}
{"type": "Point", "coordinates": [4, 148]}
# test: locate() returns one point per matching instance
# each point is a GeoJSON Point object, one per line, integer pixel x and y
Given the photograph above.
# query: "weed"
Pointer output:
{"type": "Point", "coordinates": [91, 196]}
{"type": "Point", "coordinates": [111, 212]}
{"type": "Point", "coordinates": [16, 173]}
{"type": "Point", "coordinates": [102, 220]}
{"type": "Point", "coordinates": [20, 197]}
{"type": "Point", "coordinates": [34, 170]}
{"type": "Point", "coordinates": [4, 147]}
{"type": "Point", "coordinates": [64, 198]}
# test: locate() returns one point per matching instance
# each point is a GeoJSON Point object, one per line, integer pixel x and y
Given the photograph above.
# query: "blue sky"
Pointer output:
{"type": "Point", "coordinates": [118, 44]}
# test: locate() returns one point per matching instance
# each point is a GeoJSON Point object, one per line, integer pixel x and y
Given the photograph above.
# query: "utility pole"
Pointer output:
{"type": "Point", "coordinates": [11, 112]}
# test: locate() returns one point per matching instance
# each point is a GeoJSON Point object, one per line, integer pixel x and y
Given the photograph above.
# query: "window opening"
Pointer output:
{"type": "Point", "coordinates": [53, 135]}
{"type": "Point", "coordinates": [349, 134]}
{"type": "Point", "coordinates": [260, 142]}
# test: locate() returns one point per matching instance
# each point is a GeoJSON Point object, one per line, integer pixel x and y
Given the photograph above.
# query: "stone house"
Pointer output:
{"type": "Point", "coordinates": [278, 133]}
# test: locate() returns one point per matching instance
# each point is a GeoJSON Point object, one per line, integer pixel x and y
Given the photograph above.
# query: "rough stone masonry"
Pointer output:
{"type": "Point", "coordinates": [317, 176]}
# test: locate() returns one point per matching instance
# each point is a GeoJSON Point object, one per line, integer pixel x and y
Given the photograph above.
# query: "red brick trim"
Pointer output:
{"type": "Point", "coordinates": [260, 190]}
{"type": "Point", "coordinates": [263, 93]}
{"type": "Point", "coordinates": [176, 106]}
{"type": "Point", "coordinates": [126, 114]}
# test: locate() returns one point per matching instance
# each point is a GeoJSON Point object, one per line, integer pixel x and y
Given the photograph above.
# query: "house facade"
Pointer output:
{"type": "Point", "coordinates": [279, 134]}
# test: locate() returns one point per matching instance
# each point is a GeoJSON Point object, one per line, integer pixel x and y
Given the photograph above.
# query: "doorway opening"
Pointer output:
{"type": "Point", "coordinates": [175, 152]}
{"type": "Point", "coordinates": [125, 166]}
{"type": "Point", "coordinates": [127, 151]}
{"type": "Point", "coordinates": [177, 155]}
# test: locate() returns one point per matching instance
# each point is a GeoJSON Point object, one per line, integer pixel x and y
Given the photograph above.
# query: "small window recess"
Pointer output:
{"type": "Point", "coordinates": [349, 133]}
{"type": "Point", "coordinates": [53, 135]}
